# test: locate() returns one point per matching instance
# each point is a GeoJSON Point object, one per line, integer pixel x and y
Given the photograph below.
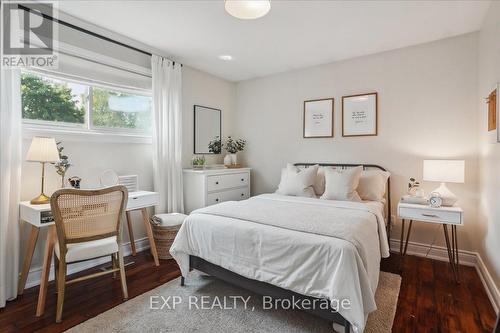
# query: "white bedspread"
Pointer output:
{"type": "Point", "coordinates": [321, 248]}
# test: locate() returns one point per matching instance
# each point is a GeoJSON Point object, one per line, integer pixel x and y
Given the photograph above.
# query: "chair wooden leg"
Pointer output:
{"type": "Point", "coordinates": [56, 272]}
{"type": "Point", "coordinates": [114, 264]}
{"type": "Point", "coordinates": [61, 285]}
{"type": "Point", "coordinates": [123, 277]}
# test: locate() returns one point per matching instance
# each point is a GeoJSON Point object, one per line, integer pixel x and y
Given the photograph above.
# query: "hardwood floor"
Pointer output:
{"type": "Point", "coordinates": [429, 300]}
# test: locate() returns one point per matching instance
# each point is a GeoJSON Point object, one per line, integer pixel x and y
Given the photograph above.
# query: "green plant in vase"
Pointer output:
{"type": "Point", "coordinates": [198, 162]}
{"type": "Point", "coordinates": [63, 165]}
{"type": "Point", "coordinates": [233, 146]}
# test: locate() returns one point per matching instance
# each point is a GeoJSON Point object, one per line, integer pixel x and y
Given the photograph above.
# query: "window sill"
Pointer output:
{"type": "Point", "coordinates": [75, 134]}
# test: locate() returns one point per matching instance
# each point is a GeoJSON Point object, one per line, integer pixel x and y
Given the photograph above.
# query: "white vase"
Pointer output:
{"type": "Point", "coordinates": [234, 159]}
{"type": "Point", "coordinates": [227, 159]}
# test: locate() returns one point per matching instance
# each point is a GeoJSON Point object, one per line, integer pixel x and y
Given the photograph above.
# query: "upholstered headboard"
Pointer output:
{"type": "Point", "coordinates": [365, 166]}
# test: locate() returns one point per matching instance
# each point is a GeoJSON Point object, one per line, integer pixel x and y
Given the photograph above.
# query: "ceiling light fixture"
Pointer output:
{"type": "Point", "coordinates": [226, 57]}
{"type": "Point", "coordinates": [247, 9]}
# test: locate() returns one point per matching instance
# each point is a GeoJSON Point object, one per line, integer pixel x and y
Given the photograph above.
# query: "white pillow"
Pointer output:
{"type": "Point", "coordinates": [319, 183]}
{"type": "Point", "coordinates": [297, 182]}
{"type": "Point", "coordinates": [342, 184]}
{"type": "Point", "coordinates": [372, 185]}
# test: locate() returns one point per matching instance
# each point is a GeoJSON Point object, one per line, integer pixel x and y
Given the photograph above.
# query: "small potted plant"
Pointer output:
{"type": "Point", "coordinates": [414, 188]}
{"type": "Point", "coordinates": [233, 146]}
{"type": "Point", "coordinates": [63, 165]}
{"type": "Point", "coordinates": [198, 162]}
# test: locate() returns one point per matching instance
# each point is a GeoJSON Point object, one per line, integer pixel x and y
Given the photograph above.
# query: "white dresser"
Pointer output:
{"type": "Point", "coordinates": [208, 187]}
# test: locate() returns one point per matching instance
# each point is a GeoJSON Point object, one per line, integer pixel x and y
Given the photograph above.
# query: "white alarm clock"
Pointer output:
{"type": "Point", "coordinates": [435, 200]}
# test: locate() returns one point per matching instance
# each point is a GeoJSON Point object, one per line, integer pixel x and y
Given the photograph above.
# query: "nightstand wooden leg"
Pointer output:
{"type": "Point", "coordinates": [402, 237]}
{"type": "Point", "coordinates": [452, 252]}
{"type": "Point", "coordinates": [408, 237]}
{"type": "Point", "coordinates": [149, 231]}
{"type": "Point", "coordinates": [457, 262]}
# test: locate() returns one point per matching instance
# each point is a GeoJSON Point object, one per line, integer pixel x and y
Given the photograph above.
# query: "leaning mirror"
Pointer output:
{"type": "Point", "coordinates": [207, 129]}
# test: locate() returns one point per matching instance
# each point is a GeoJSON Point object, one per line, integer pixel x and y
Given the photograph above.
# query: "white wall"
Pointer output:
{"type": "Point", "coordinates": [427, 109]}
{"type": "Point", "coordinates": [89, 158]}
{"type": "Point", "coordinates": [488, 227]}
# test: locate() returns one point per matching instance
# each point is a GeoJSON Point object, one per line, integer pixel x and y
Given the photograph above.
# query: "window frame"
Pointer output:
{"type": "Point", "coordinates": [87, 128]}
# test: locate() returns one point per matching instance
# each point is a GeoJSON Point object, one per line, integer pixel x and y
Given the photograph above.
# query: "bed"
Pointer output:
{"type": "Point", "coordinates": [293, 247]}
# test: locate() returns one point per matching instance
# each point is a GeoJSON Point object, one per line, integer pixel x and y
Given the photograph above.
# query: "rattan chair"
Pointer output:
{"type": "Point", "coordinates": [88, 224]}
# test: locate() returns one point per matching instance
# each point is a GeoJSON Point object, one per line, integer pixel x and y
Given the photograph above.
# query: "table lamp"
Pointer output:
{"type": "Point", "coordinates": [42, 150]}
{"type": "Point", "coordinates": [445, 171]}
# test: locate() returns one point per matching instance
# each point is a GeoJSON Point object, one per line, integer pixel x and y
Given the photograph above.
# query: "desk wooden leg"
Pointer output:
{"type": "Point", "coordinates": [149, 231]}
{"type": "Point", "coordinates": [130, 232]}
{"type": "Point", "coordinates": [27, 259]}
{"type": "Point", "coordinates": [44, 279]}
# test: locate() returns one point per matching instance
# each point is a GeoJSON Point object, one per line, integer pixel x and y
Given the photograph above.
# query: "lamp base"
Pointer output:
{"type": "Point", "coordinates": [40, 200]}
{"type": "Point", "coordinates": [448, 197]}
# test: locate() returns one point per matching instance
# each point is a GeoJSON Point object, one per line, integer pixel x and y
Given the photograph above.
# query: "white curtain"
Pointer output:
{"type": "Point", "coordinates": [10, 181]}
{"type": "Point", "coordinates": [167, 134]}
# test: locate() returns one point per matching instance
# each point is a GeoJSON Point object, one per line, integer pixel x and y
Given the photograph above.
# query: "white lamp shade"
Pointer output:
{"type": "Point", "coordinates": [247, 9]}
{"type": "Point", "coordinates": [43, 150]}
{"type": "Point", "coordinates": [445, 171]}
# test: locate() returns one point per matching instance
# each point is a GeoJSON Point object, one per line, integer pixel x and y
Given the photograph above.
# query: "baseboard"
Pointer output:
{"type": "Point", "coordinates": [467, 258]}
{"type": "Point", "coordinates": [437, 252]}
{"type": "Point", "coordinates": [34, 273]}
{"type": "Point", "coordinates": [489, 285]}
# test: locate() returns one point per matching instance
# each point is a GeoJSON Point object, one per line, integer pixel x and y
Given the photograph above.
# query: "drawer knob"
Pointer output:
{"type": "Point", "coordinates": [217, 200]}
{"type": "Point", "coordinates": [242, 194]}
{"type": "Point", "coordinates": [242, 179]}
{"type": "Point", "coordinates": [216, 183]}
{"type": "Point", "coordinates": [430, 215]}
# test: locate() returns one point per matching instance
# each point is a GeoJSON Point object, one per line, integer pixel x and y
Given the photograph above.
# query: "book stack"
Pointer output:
{"type": "Point", "coordinates": [411, 199]}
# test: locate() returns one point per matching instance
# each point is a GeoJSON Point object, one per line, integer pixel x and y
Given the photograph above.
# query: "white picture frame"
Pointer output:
{"type": "Point", "coordinates": [360, 115]}
{"type": "Point", "coordinates": [318, 118]}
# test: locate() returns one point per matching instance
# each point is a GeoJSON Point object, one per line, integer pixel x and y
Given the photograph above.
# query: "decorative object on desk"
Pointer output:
{"type": "Point", "coordinates": [412, 199]}
{"type": "Point", "coordinates": [215, 146]}
{"type": "Point", "coordinates": [445, 171]}
{"type": "Point", "coordinates": [227, 160]}
{"type": "Point", "coordinates": [198, 162]}
{"type": "Point", "coordinates": [63, 165]}
{"type": "Point", "coordinates": [42, 150]}
{"type": "Point", "coordinates": [435, 200]}
{"type": "Point", "coordinates": [414, 188]}
{"type": "Point", "coordinates": [318, 118]}
{"type": "Point", "coordinates": [108, 178]}
{"type": "Point", "coordinates": [75, 182]}
{"type": "Point", "coordinates": [233, 146]}
{"type": "Point", "coordinates": [359, 115]}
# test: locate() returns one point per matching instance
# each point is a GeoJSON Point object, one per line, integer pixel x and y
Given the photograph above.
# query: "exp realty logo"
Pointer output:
{"type": "Point", "coordinates": [29, 34]}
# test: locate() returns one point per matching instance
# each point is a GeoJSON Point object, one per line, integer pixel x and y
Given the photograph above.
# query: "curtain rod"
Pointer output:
{"type": "Point", "coordinates": [88, 32]}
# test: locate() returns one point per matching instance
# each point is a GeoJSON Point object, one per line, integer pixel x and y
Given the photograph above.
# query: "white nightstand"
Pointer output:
{"type": "Point", "coordinates": [443, 215]}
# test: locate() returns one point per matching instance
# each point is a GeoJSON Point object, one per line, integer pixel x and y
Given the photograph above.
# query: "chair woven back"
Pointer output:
{"type": "Point", "coordinates": [84, 215]}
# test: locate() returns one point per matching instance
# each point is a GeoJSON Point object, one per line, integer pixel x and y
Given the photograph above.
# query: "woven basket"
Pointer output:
{"type": "Point", "coordinates": [164, 237]}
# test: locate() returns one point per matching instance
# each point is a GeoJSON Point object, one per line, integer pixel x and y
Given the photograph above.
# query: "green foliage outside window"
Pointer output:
{"type": "Point", "coordinates": [50, 101]}
{"type": "Point", "coordinates": [55, 100]}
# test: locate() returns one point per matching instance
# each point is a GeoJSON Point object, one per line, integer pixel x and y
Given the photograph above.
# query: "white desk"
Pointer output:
{"type": "Point", "coordinates": [39, 216]}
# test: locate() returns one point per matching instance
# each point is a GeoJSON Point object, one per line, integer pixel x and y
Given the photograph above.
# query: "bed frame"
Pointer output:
{"type": "Point", "coordinates": [263, 288]}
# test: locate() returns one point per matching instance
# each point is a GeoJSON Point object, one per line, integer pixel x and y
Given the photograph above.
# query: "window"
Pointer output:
{"type": "Point", "coordinates": [61, 103]}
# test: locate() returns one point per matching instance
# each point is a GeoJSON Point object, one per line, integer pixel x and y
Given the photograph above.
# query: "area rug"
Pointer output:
{"type": "Point", "coordinates": [206, 304]}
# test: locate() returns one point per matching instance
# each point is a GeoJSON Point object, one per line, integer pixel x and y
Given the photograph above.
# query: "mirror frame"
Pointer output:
{"type": "Point", "coordinates": [194, 127]}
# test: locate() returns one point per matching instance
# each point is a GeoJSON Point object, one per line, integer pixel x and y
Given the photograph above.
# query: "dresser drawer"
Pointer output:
{"type": "Point", "coordinates": [229, 195]}
{"type": "Point", "coordinates": [221, 182]}
{"type": "Point", "coordinates": [430, 215]}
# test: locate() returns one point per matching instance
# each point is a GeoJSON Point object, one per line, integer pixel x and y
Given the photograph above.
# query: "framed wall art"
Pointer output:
{"type": "Point", "coordinates": [318, 118]}
{"type": "Point", "coordinates": [359, 115]}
